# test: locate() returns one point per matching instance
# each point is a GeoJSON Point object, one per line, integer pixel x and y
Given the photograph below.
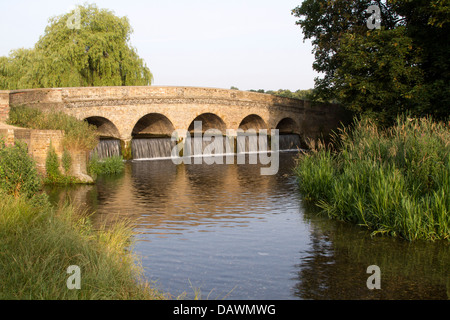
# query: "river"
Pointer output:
{"type": "Point", "coordinates": [225, 231]}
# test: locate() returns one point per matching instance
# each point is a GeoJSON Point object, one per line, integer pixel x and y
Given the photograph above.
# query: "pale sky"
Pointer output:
{"type": "Point", "coordinates": [249, 44]}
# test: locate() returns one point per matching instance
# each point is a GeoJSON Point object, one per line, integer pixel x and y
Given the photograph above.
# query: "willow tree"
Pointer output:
{"type": "Point", "coordinates": [85, 47]}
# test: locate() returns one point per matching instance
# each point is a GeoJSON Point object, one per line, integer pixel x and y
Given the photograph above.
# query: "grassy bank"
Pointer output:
{"type": "Point", "coordinates": [39, 243]}
{"type": "Point", "coordinates": [394, 181]}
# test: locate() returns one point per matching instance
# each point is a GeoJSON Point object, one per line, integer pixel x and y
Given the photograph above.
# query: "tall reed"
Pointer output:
{"type": "Point", "coordinates": [394, 181]}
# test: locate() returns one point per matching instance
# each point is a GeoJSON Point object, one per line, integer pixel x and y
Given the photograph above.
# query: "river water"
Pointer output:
{"type": "Point", "coordinates": [228, 232]}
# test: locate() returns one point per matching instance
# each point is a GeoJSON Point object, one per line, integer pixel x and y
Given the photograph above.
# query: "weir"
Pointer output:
{"type": "Point", "coordinates": [214, 145]}
{"type": "Point", "coordinates": [162, 148]}
{"type": "Point", "coordinates": [106, 148]}
{"type": "Point", "coordinates": [289, 142]}
{"type": "Point", "coordinates": [152, 148]}
{"type": "Point", "coordinates": [250, 143]}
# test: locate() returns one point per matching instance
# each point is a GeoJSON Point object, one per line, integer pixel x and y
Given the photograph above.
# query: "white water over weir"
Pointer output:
{"type": "Point", "coordinates": [161, 148]}
{"type": "Point", "coordinates": [107, 148]}
{"type": "Point", "coordinates": [152, 148]}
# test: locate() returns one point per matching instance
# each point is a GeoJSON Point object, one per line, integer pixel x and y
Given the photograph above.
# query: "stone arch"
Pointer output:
{"type": "Point", "coordinates": [209, 121]}
{"type": "Point", "coordinates": [153, 125]}
{"type": "Point", "coordinates": [288, 126]}
{"type": "Point", "coordinates": [249, 138]}
{"type": "Point", "coordinates": [290, 137]}
{"type": "Point", "coordinates": [253, 121]}
{"type": "Point", "coordinates": [105, 127]}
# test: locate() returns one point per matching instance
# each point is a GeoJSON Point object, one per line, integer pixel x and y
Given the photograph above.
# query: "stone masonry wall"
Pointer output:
{"type": "Point", "coordinates": [4, 105]}
{"type": "Point", "coordinates": [39, 141]}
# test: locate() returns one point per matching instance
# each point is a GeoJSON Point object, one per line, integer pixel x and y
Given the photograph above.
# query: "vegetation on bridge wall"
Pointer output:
{"type": "Point", "coordinates": [78, 135]}
{"type": "Point", "coordinates": [61, 157]}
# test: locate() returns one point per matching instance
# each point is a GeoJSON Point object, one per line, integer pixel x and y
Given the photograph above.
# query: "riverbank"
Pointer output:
{"type": "Point", "coordinates": [394, 181]}
{"type": "Point", "coordinates": [39, 242]}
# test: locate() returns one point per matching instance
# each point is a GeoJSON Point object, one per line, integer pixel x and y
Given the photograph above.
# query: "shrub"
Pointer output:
{"type": "Point", "coordinates": [66, 160]}
{"type": "Point", "coordinates": [18, 174]}
{"type": "Point", "coordinates": [110, 165]}
{"type": "Point", "coordinates": [52, 165]}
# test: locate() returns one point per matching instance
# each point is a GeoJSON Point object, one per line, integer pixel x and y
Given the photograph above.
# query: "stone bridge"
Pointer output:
{"type": "Point", "coordinates": [128, 112]}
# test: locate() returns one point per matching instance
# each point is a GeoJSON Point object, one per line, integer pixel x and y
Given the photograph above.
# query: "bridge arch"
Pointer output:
{"type": "Point", "coordinates": [209, 121]}
{"type": "Point", "coordinates": [153, 125]}
{"type": "Point", "coordinates": [290, 135]}
{"type": "Point", "coordinates": [105, 127]}
{"type": "Point", "coordinates": [253, 121]}
{"type": "Point", "coordinates": [288, 126]}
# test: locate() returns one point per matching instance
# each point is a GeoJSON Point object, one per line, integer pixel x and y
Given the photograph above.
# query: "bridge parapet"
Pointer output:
{"type": "Point", "coordinates": [73, 97]}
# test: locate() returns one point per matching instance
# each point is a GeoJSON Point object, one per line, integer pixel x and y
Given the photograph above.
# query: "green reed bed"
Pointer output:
{"type": "Point", "coordinates": [394, 181]}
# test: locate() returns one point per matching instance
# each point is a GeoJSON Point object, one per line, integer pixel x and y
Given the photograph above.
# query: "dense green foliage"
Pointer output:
{"type": "Point", "coordinates": [52, 168]}
{"type": "Point", "coordinates": [78, 135]}
{"type": "Point", "coordinates": [298, 94]}
{"type": "Point", "coordinates": [394, 181]}
{"type": "Point", "coordinates": [98, 53]}
{"type": "Point", "coordinates": [52, 164]}
{"type": "Point", "coordinates": [18, 174]}
{"type": "Point", "coordinates": [66, 161]}
{"type": "Point", "coordinates": [110, 165]}
{"type": "Point", "coordinates": [404, 65]}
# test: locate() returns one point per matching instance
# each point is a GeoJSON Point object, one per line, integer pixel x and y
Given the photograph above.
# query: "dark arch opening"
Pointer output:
{"type": "Point", "coordinates": [249, 139]}
{"type": "Point", "coordinates": [153, 125]}
{"type": "Point", "coordinates": [105, 128]}
{"type": "Point", "coordinates": [289, 132]}
{"type": "Point", "coordinates": [252, 121]}
{"type": "Point", "coordinates": [209, 121]}
{"type": "Point", "coordinates": [287, 126]}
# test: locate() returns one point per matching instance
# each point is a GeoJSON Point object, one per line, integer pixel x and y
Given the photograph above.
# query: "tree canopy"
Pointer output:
{"type": "Point", "coordinates": [85, 47]}
{"type": "Point", "coordinates": [402, 66]}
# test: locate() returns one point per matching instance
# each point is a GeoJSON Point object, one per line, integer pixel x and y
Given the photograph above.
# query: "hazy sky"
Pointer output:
{"type": "Point", "coordinates": [249, 44]}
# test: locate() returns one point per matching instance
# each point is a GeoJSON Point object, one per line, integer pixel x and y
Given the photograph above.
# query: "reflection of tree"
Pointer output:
{"type": "Point", "coordinates": [335, 267]}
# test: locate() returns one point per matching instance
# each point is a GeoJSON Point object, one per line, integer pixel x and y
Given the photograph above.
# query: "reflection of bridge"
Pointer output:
{"type": "Point", "coordinates": [128, 112]}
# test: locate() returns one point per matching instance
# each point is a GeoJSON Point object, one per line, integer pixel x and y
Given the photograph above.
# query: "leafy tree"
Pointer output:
{"type": "Point", "coordinates": [98, 53]}
{"type": "Point", "coordinates": [402, 66]}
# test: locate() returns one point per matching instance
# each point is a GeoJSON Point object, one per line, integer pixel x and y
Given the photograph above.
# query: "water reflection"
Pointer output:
{"type": "Point", "coordinates": [335, 266]}
{"type": "Point", "coordinates": [227, 228]}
